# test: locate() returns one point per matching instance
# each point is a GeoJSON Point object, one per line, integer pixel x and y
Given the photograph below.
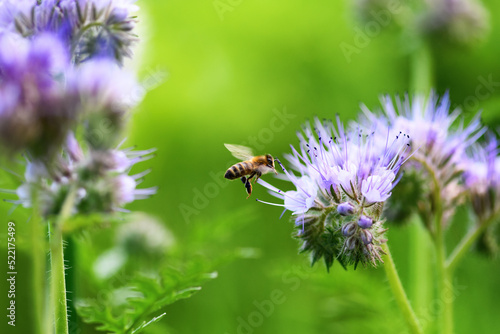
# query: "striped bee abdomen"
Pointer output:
{"type": "Point", "coordinates": [238, 170]}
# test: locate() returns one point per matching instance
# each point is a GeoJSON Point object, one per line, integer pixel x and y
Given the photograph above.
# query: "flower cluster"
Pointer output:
{"type": "Point", "coordinates": [100, 179]}
{"type": "Point", "coordinates": [61, 75]}
{"type": "Point", "coordinates": [342, 179]}
{"type": "Point", "coordinates": [89, 28]}
{"type": "Point", "coordinates": [441, 145]}
{"type": "Point", "coordinates": [44, 91]}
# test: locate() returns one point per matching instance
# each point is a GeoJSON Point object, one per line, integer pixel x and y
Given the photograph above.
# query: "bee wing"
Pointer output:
{"type": "Point", "coordinates": [240, 152]}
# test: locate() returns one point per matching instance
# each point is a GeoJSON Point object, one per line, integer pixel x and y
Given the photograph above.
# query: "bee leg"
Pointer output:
{"type": "Point", "coordinates": [244, 180]}
{"type": "Point", "coordinates": [251, 176]}
{"type": "Point", "coordinates": [248, 187]}
{"type": "Point", "coordinates": [248, 184]}
{"type": "Point", "coordinates": [257, 175]}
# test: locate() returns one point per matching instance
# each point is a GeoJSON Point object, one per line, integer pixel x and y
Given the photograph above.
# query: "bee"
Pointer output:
{"type": "Point", "coordinates": [252, 167]}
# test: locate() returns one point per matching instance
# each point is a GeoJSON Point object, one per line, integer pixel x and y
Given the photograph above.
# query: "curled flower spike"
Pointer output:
{"type": "Point", "coordinates": [341, 179]}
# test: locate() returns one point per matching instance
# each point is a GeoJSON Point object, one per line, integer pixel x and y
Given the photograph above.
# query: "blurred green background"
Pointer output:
{"type": "Point", "coordinates": [253, 77]}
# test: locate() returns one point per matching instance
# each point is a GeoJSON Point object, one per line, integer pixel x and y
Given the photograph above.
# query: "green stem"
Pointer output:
{"type": "Point", "coordinates": [421, 82]}
{"type": "Point", "coordinates": [57, 277]}
{"type": "Point", "coordinates": [399, 292]}
{"type": "Point", "coordinates": [467, 242]}
{"type": "Point", "coordinates": [445, 288]}
{"type": "Point", "coordinates": [37, 247]}
{"type": "Point", "coordinates": [420, 252]}
{"type": "Point", "coordinates": [421, 69]}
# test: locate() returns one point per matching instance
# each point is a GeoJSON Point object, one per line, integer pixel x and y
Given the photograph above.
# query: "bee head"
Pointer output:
{"type": "Point", "coordinates": [270, 162]}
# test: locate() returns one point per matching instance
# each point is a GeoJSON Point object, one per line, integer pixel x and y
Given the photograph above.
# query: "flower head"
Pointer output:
{"type": "Point", "coordinates": [342, 178]}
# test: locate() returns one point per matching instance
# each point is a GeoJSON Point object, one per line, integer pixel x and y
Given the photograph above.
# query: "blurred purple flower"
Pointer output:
{"type": "Point", "coordinates": [459, 21]}
{"type": "Point", "coordinates": [102, 178]}
{"type": "Point", "coordinates": [88, 28]}
{"type": "Point", "coordinates": [103, 85]}
{"type": "Point", "coordinates": [37, 106]}
{"type": "Point", "coordinates": [482, 178]}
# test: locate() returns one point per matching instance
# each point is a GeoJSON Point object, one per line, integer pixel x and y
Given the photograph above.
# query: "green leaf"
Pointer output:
{"type": "Point", "coordinates": [145, 324]}
{"type": "Point", "coordinates": [125, 309]}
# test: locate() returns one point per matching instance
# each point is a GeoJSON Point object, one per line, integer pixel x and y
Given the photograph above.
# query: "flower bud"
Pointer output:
{"type": "Point", "coordinates": [345, 209]}
{"type": "Point", "coordinates": [366, 237]}
{"type": "Point", "coordinates": [350, 243]}
{"type": "Point", "coordinates": [365, 222]}
{"type": "Point", "coordinates": [348, 229]}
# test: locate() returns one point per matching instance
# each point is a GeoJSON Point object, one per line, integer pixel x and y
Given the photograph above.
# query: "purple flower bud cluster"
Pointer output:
{"type": "Point", "coordinates": [61, 74]}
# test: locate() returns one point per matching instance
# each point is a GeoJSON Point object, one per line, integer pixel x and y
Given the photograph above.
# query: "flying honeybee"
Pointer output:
{"type": "Point", "coordinates": [251, 166]}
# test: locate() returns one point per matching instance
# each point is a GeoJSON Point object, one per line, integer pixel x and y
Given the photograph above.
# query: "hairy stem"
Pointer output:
{"type": "Point", "coordinates": [399, 292]}
{"type": "Point", "coordinates": [57, 275]}
{"type": "Point", "coordinates": [445, 288]}
{"type": "Point", "coordinates": [37, 247]}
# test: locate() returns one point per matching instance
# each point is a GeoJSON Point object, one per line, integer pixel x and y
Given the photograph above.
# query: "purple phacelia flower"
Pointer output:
{"type": "Point", "coordinates": [342, 179]}
{"type": "Point", "coordinates": [343, 165]}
